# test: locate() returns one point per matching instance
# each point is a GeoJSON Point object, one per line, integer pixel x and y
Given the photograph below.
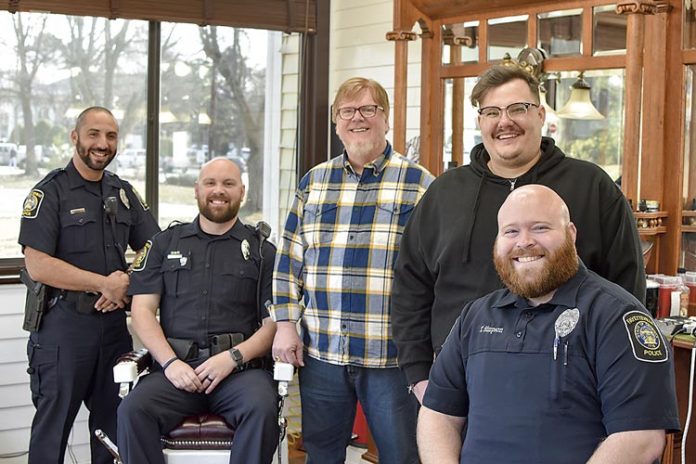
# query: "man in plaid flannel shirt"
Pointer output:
{"type": "Point", "coordinates": [333, 274]}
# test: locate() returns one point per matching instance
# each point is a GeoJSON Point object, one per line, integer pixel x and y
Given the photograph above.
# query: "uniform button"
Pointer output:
{"type": "Point", "coordinates": [344, 326]}
{"type": "Point", "coordinates": [518, 334]}
{"type": "Point", "coordinates": [207, 265]}
{"type": "Point", "coordinates": [527, 315]}
{"type": "Point", "coordinates": [351, 236]}
{"type": "Point", "coordinates": [205, 292]}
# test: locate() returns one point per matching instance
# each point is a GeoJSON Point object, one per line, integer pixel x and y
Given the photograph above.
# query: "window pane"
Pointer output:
{"type": "Point", "coordinates": [688, 245]}
{"type": "Point", "coordinates": [213, 95]}
{"type": "Point", "coordinates": [506, 35]}
{"type": "Point", "coordinates": [460, 43]}
{"type": "Point", "coordinates": [689, 24]}
{"type": "Point", "coordinates": [54, 66]}
{"type": "Point", "coordinates": [599, 141]}
{"type": "Point", "coordinates": [471, 133]}
{"type": "Point", "coordinates": [560, 32]}
{"type": "Point", "coordinates": [608, 31]}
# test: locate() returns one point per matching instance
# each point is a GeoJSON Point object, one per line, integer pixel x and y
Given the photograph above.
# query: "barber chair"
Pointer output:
{"type": "Point", "coordinates": [201, 439]}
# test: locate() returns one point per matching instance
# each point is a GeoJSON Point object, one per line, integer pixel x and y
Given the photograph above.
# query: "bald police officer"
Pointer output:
{"type": "Point", "coordinates": [562, 366]}
{"type": "Point", "coordinates": [76, 225]}
{"type": "Point", "coordinates": [210, 279]}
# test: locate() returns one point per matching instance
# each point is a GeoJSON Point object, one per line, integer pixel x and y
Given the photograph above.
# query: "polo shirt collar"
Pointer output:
{"type": "Point", "coordinates": [238, 231]}
{"type": "Point", "coordinates": [566, 295]}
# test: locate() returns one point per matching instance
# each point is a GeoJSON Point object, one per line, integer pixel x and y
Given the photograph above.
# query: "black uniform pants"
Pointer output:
{"type": "Point", "coordinates": [70, 361]}
{"type": "Point", "coordinates": [247, 400]}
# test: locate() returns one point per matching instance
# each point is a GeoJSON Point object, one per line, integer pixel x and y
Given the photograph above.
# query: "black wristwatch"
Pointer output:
{"type": "Point", "coordinates": [237, 356]}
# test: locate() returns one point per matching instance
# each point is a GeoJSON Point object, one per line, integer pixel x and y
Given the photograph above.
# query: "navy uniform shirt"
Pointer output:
{"type": "Point", "coordinates": [613, 372]}
{"type": "Point", "coordinates": [64, 217]}
{"type": "Point", "coordinates": [207, 283]}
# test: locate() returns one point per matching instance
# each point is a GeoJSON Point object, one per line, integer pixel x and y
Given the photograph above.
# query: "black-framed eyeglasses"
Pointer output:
{"type": "Point", "coordinates": [367, 111]}
{"type": "Point", "coordinates": [514, 111]}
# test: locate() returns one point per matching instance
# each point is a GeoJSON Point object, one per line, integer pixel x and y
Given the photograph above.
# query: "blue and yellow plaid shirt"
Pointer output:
{"type": "Point", "coordinates": [335, 265]}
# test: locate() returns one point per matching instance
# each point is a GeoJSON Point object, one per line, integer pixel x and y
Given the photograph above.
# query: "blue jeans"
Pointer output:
{"type": "Point", "coordinates": [329, 393]}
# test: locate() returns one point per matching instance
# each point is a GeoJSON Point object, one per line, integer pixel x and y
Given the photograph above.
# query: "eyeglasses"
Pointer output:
{"type": "Point", "coordinates": [514, 111]}
{"type": "Point", "coordinates": [367, 111]}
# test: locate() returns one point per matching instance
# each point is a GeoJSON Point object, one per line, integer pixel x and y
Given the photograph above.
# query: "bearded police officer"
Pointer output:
{"type": "Point", "coordinates": [210, 280]}
{"type": "Point", "coordinates": [562, 366]}
{"type": "Point", "coordinates": [76, 225]}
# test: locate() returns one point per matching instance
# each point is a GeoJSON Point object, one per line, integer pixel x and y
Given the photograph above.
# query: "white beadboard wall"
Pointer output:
{"type": "Point", "coordinates": [16, 410]}
{"type": "Point", "coordinates": [359, 48]}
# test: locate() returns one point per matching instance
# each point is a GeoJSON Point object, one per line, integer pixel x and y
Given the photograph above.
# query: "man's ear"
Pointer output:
{"type": "Point", "coordinates": [73, 136]}
{"type": "Point", "coordinates": [573, 231]}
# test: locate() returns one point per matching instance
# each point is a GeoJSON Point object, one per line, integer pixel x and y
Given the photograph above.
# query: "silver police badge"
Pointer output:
{"type": "Point", "coordinates": [246, 250]}
{"type": "Point", "coordinates": [566, 322]}
{"type": "Point", "coordinates": [124, 198]}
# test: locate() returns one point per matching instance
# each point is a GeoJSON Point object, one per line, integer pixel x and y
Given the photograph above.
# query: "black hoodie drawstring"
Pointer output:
{"type": "Point", "coordinates": [470, 230]}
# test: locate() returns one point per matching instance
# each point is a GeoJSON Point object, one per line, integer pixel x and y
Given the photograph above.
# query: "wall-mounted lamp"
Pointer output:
{"type": "Point", "coordinates": [579, 105]}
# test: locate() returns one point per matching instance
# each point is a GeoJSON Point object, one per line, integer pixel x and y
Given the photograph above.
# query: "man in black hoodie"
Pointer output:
{"type": "Point", "coordinates": [445, 259]}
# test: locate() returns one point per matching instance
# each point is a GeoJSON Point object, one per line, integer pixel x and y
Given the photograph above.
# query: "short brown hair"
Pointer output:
{"type": "Point", "coordinates": [355, 85]}
{"type": "Point", "coordinates": [498, 75]}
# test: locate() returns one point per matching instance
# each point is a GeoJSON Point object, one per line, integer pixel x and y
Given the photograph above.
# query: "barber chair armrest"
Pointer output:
{"type": "Point", "coordinates": [129, 367]}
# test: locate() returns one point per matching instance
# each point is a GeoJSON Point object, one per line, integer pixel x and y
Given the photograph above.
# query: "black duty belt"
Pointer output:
{"type": "Point", "coordinates": [83, 301]}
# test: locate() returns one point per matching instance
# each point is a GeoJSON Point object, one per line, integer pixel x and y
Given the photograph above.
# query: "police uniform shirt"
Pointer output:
{"type": "Point", "coordinates": [64, 217]}
{"type": "Point", "coordinates": [613, 372]}
{"type": "Point", "coordinates": [207, 283]}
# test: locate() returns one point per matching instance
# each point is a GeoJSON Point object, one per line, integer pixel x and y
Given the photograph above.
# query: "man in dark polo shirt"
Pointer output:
{"type": "Point", "coordinates": [562, 366]}
{"type": "Point", "coordinates": [210, 279]}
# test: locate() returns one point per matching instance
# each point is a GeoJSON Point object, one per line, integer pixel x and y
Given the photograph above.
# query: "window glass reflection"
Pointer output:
{"type": "Point", "coordinates": [54, 66]}
{"type": "Point", "coordinates": [608, 31]}
{"type": "Point", "coordinates": [213, 86]}
{"type": "Point", "coordinates": [560, 32]}
{"type": "Point", "coordinates": [506, 35]}
{"type": "Point", "coordinates": [598, 141]}
{"type": "Point", "coordinates": [460, 43]}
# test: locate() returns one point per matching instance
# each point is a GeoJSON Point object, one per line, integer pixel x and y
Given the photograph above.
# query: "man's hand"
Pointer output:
{"type": "Point", "coordinates": [419, 390]}
{"type": "Point", "coordinates": [183, 377]}
{"type": "Point", "coordinates": [287, 346]}
{"type": "Point", "coordinates": [214, 370]}
{"type": "Point", "coordinates": [113, 289]}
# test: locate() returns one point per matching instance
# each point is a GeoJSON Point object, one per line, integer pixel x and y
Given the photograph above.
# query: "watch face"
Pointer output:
{"type": "Point", "coordinates": [236, 355]}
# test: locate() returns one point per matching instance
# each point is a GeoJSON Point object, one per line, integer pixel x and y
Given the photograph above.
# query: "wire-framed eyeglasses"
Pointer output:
{"type": "Point", "coordinates": [367, 111]}
{"type": "Point", "coordinates": [514, 111]}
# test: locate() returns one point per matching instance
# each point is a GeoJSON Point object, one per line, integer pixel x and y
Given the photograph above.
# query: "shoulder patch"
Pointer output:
{"type": "Point", "coordinates": [32, 204]}
{"type": "Point", "coordinates": [140, 199]}
{"type": "Point", "coordinates": [140, 260]}
{"type": "Point", "coordinates": [645, 338]}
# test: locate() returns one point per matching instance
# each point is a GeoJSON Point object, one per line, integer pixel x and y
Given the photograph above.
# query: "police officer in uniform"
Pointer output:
{"type": "Point", "coordinates": [210, 282]}
{"type": "Point", "coordinates": [76, 225]}
{"type": "Point", "coordinates": [562, 366]}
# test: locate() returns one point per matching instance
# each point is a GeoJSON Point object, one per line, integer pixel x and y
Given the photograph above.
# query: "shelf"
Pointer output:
{"type": "Point", "coordinates": [651, 223]}
{"type": "Point", "coordinates": [647, 231]}
{"type": "Point", "coordinates": [688, 228]}
{"type": "Point", "coordinates": [651, 215]}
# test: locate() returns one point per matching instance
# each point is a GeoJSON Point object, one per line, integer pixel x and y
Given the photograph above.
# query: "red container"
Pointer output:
{"type": "Point", "coordinates": [664, 298]}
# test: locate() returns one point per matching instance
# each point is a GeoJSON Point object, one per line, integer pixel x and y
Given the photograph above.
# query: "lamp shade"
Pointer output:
{"type": "Point", "coordinates": [579, 105]}
{"type": "Point", "coordinates": [544, 102]}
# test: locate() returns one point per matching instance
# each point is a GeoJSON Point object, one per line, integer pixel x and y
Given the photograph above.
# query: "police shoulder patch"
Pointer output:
{"type": "Point", "coordinates": [645, 338]}
{"type": "Point", "coordinates": [140, 200]}
{"type": "Point", "coordinates": [32, 204]}
{"type": "Point", "coordinates": [140, 260]}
